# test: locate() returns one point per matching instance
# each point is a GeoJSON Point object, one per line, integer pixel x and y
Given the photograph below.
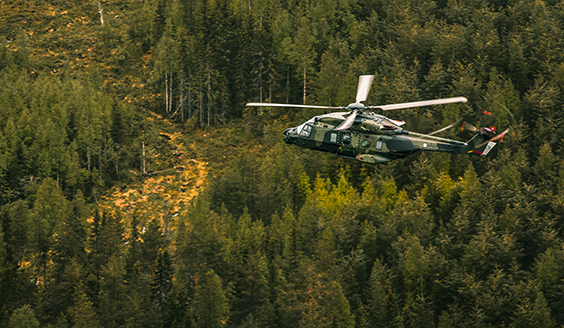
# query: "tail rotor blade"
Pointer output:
{"type": "Point", "coordinates": [364, 83]}
{"type": "Point", "coordinates": [443, 129]}
{"type": "Point", "coordinates": [469, 127]}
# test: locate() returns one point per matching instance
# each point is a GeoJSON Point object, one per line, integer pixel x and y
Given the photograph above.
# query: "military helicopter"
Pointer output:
{"type": "Point", "coordinates": [373, 138]}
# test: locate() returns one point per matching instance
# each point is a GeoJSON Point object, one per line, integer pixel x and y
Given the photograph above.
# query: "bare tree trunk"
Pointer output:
{"type": "Point", "coordinates": [170, 95]}
{"type": "Point", "coordinates": [189, 93]}
{"type": "Point", "coordinates": [100, 161]}
{"type": "Point", "coordinates": [143, 145]}
{"type": "Point", "coordinates": [88, 157]}
{"type": "Point", "coordinates": [181, 105]}
{"type": "Point", "coordinates": [305, 88]}
{"type": "Point", "coordinates": [201, 105]}
{"type": "Point", "coordinates": [209, 95]}
{"type": "Point", "coordinates": [288, 84]}
{"type": "Point", "coordinates": [166, 93]}
{"type": "Point", "coordinates": [101, 12]}
{"type": "Point", "coordinates": [260, 85]}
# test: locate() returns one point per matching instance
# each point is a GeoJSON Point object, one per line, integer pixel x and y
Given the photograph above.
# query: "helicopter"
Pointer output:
{"type": "Point", "coordinates": [373, 138]}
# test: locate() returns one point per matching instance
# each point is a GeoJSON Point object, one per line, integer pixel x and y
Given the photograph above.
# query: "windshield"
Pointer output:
{"type": "Point", "coordinates": [304, 129]}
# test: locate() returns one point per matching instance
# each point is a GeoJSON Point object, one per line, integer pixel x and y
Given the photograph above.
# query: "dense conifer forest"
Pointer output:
{"type": "Point", "coordinates": [137, 190]}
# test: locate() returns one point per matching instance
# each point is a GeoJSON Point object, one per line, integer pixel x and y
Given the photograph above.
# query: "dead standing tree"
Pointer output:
{"type": "Point", "coordinates": [101, 11]}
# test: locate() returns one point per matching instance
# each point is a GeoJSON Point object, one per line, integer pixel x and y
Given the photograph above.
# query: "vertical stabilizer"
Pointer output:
{"type": "Point", "coordinates": [480, 144]}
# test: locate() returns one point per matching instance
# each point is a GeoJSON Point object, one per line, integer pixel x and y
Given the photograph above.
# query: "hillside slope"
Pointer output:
{"type": "Point", "coordinates": [173, 176]}
{"type": "Point", "coordinates": [136, 190]}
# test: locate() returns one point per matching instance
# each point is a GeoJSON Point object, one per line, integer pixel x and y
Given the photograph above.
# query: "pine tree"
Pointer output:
{"type": "Point", "coordinates": [303, 54]}
{"type": "Point", "coordinates": [95, 259]}
{"type": "Point", "coordinates": [541, 313]}
{"type": "Point", "coordinates": [50, 210]}
{"type": "Point", "coordinates": [383, 305]}
{"type": "Point", "coordinates": [2, 254]}
{"type": "Point", "coordinates": [461, 225]}
{"type": "Point", "coordinates": [162, 283]}
{"type": "Point", "coordinates": [23, 318]}
{"type": "Point", "coordinates": [83, 313]}
{"type": "Point", "coordinates": [112, 292]}
{"type": "Point", "coordinates": [211, 309]}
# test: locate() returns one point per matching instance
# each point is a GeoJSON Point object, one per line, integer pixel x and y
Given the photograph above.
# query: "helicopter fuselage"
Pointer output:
{"type": "Point", "coordinates": [372, 138]}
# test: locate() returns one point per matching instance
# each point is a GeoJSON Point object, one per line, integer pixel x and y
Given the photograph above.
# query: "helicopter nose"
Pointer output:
{"type": "Point", "coordinates": [288, 135]}
{"type": "Point", "coordinates": [289, 131]}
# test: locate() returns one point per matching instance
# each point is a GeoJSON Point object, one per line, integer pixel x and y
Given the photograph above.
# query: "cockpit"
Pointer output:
{"type": "Point", "coordinates": [334, 119]}
{"type": "Point", "coordinates": [304, 129]}
{"type": "Point", "coordinates": [369, 122]}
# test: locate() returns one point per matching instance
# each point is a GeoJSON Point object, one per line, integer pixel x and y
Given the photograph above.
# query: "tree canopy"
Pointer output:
{"type": "Point", "coordinates": [136, 190]}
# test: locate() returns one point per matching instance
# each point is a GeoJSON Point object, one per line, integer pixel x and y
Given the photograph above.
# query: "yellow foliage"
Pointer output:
{"type": "Point", "coordinates": [164, 195]}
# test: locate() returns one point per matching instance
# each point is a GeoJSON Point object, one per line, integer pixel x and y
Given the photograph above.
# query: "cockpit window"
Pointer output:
{"type": "Point", "coordinates": [306, 131]}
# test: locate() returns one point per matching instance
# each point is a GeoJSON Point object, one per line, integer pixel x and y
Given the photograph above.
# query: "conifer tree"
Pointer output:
{"type": "Point", "coordinates": [162, 283]}
{"type": "Point", "coordinates": [83, 313]}
{"type": "Point", "coordinates": [23, 318]}
{"type": "Point", "coordinates": [541, 313]}
{"type": "Point", "coordinates": [50, 210]}
{"type": "Point", "coordinates": [210, 303]}
{"type": "Point", "coordinates": [2, 254]}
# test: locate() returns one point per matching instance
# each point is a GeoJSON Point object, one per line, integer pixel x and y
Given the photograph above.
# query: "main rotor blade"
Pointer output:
{"type": "Point", "coordinates": [347, 123]}
{"type": "Point", "coordinates": [289, 105]}
{"type": "Point", "coordinates": [364, 83]}
{"type": "Point", "coordinates": [421, 103]}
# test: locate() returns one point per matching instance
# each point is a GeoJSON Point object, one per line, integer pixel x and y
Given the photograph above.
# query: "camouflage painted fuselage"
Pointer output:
{"type": "Point", "coordinates": [372, 138]}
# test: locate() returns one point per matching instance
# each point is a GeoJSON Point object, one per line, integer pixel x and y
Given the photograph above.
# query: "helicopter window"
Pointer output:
{"type": "Point", "coordinates": [378, 145]}
{"type": "Point", "coordinates": [301, 127]}
{"type": "Point", "coordinates": [305, 131]}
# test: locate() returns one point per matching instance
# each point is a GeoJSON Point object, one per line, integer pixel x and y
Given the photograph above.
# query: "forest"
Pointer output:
{"type": "Point", "coordinates": [137, 190]}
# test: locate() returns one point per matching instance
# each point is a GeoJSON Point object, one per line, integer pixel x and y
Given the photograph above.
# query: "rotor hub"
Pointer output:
{"type": "Point", "coordinates": [354, 106]}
